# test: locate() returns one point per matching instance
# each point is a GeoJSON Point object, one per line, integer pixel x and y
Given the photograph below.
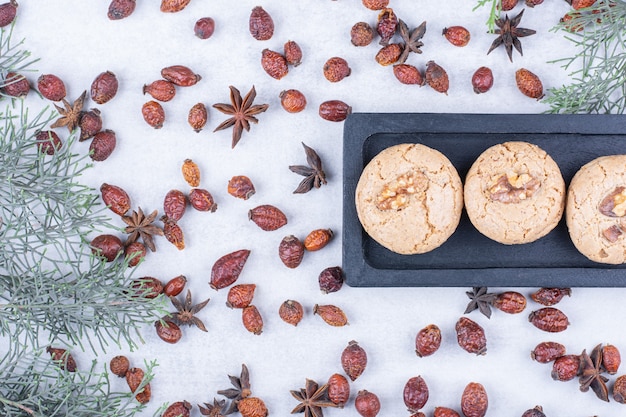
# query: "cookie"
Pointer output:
{"type": "Point", "coordinates": [514, 193]}
{"type": "Point", "coordinates": [596, 210]}
{"type": "Point", "coordinates": [409, 198]}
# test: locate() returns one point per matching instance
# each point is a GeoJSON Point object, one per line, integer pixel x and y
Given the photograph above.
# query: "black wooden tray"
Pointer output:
{"type": "Point", "coordinates": [468, 258]}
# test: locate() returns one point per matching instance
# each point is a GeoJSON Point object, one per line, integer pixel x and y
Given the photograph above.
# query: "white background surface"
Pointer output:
{"type": "Point", "coordinates": [76, 41]}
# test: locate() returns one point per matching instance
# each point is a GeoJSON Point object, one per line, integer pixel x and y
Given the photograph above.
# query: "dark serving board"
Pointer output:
{"type": "Point", "coordinates": [468, 258]}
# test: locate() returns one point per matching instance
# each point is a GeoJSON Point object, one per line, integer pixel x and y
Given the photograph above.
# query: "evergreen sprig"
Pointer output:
{"type": "Point", "coordinates": [494, 12]}
{"type": "Point", "coordinates": [599, 67]}
{"type": "Point", "coordinates": [35, 386]}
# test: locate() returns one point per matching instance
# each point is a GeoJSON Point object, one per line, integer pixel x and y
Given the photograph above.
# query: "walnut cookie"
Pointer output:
{"type": "Point", "coordinates": [409, 198]}
{"type": "Point", "coordinates": [514, 193]}
{"type": "Point", "coordinates": [596, 210]}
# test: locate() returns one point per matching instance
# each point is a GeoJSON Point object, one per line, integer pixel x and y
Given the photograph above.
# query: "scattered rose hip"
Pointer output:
{"type": "Point", "coordinates": [168, 331]}
{"type": "Point", "coordinates": [261, 24]}
{"type": "Point", "coordinates": [338, 389]}
{"type": "Point", "coordinates": [619, 389]}
{"type": "Point", "coordinates": [367, 403]}
{"type": "Point", "coordinates": [175, 286]}
{"type": "Point", "coordinates": [153, 113]}
{"type": "Point", "coordinates": [121, 9]}
{"type": "Point", "coordinates": [119, 365]}
{"type": "Point", "coordinates": [15, 85]}
{"type": "Point", "coordinates": [161, 90]}
{"type": "Point", "coordinates": [146, 287]}
{"type": "Point", "coordinates": [292, 100]}
{"type": "Point", "coordinates": [252, 407]}
{"type": "Point", "coordinates": [102, 145]}
{"type": "Point", "coordinates": [197, 117]}
{"type": "Point", "coordinates": [334, 110]}
{"type": "Point", "coordinates": [415, 394]}
{"type": "Point", "coordinates": [529, 83]}
{"type": "Point", "coordinates": [546, 352]}
{"type": "Point", "coordinates": [565, 368]}
{"type": "Point", "coordinates": [90, 124]}
{"type": "Point", "coordinates": [104, 87]}
{"type": "Point", "coordinates": [252, 319]}
{"type": "Point", "coordinates": [292, 53]}
{"type": "Point", "coordinates": [267, 217]}
{"type": "Point", "coordinates": [134, 253]}
{"type": "Point", "coordinates": [375, 4]}
{"type": "Point", "coordinates": [362, 34]}
{"type": "Point", "coordinates": [482, 80]}
{"type": "Point", "coordinates": [549, 319]}
{"type": "Point", "coordinates": [240, 296]}
{"type": "Point", "coordinates": [115, 198]}
{"type": "Point", "coordinates": [550, 296]}
{"type": "Point", "coordinates": [178, 409]}
{"type": "Point", "coordinates": [353, 360]}
{"type": "Point", "coordinates": [291, 251]}
{"type": "Point", "coordinates": [108, 246]}
{"type": "Point", "coordinates": [318, 239]}
{"type": "Point", "coordinates": [437, 77]}
{"type": "Point", "coordinates": [134, 379]}
{"type": "Point", "coordinates": [173, 232]}
{"type": "Point", "coordinates": [428, 340]}
{"type": "Point", "coordinates": [274, 64]}
{"type": "Point", "coordinates": [240, 186]}
{"type": "Point", "coordinates": [202, 200]}
{"type": "Point", "coordinates": [408, 74]}
{"type": "Point", "coordinates": [226, 270]}
{"type": "Point", "coordinates": [63, 358]}
{"type": "Point", "coordinates": [180, 75]}
{"type": "Point", "coordinates": [8, 11]}
{"type": "Point", "coordinates": [474, 401]}
{"type": "Point", "coordinates": [331, 314]}
{"type": "Point", "coordinates": [445, 412]}
{"type": "Point", "coordinates": [336, 69]}
{"type": "Point", "coordinates": [173, 6]}
{"type": "Point", "coordinates": [51, 87]}
{"type": "Point", "coordinates": [457, 35]}
{"type": "Point", "coordinates": [386, 25]}
{"type": "Point", "coordinates": [471, 336]}
{"type": "Point", "coordinates": [537, 411]}
{"type": "Point", "coordinates": [510, 302]}
{"type": "Point", "coordinates": [291, 312]}
{"type": "Point", "coordinates": [48, 142]}
{"type": "Point", "coordinates": [331, 279]}
{"type": "Point", "coordinates": [191, 172]}
{"type": "Point", "coordinates": [204, 27]}
{"type": "Point", "coordinates": [388, 54]}
{"type": "Point", "coordinates": [174, 204]}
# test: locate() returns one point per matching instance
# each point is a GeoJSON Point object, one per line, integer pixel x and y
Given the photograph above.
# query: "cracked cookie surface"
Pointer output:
{"type": "Point", "coordinates": [409, 198]}
{"type": "Point", "coordinates": [595, 211]}
{"type": "Point", "coordinates": [514, 193]}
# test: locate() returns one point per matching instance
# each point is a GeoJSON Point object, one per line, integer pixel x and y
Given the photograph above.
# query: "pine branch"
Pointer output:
{"type": "Point", "coordinates": [599, 75]}
{"type": "Point", "coordinates": [494, 12]}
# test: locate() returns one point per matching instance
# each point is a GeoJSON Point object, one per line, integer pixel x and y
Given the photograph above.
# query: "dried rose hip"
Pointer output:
{"type": "Point", "coordinates": [173, 6]}
{"type": "Point", "coordinates": [261, 24]}
{"type": "Point", "coordinates": [173, 233]}
{"type": "Point", "coordinates": [375, 4]}
{"type": "Point", "coordinates": [175, 286]}
{"type": "Point", "coordinates": [115, 198]}
{"type": "Point", "coordinates": [471, 336]}
{"type": "Point", "coordinates": [204, 27]}
{"type": "Point", "coordinates": [331, 314]}
{"type": "Point", "coordinates": [482, 80]}
{"type": "Point", "coordinates": [427, 340]}
{"type": "Point", "coordinates": [415, 394]}
{"type": "Point", "coordinates": [252, 320]}
{"type": "Point", "coordinates": [153, 113]}
{"type": "Point", "coordinates": [191, 172]}
{"type": "Point", "coordinates": [367, 403]}
{"type": "Point", "coordinates": [168, 331]}
{"type": "Point", "coordinates": [179, 408]}
{"type": "Point", "coordinates": [291, 251]}
{"type": "Point", "coordinates": [549, 319]}
{"type": "Point", "coordinates": [508, 5]}
{"type": "Point", "coordinates": [291, 312]}
{"type": "Point", "coordinates": [353, 360]}
{"type": "Point", "coordinates": [48, 142]}
{"type": "Point", "coordinates": [292, 100]}
{"type": "Point", "coordinates": [611, 359]}
{"type": "Point", "coordinates": [161, 90]}
{"type": "Point", "coordinates": [63, 358]}
{"type": "Point", "coordinates": [619, 389]}
{"type": "Point", "coordinates": [338, 390]}
{"type": "Point", "coordinates": [274, 64]}
{"type": "Point", "coordinates": [389, 54]}
{"type": "Point", "coordinates": [550, 296]}
{"type": "Point", "coordinates": [202, 200]}
{"type": "Point", "coordinates": [334, 110]}
{"type": "Point", "coordinates": [51, 87]}
{"type": "Point", "coordinates": [457, 35]}
{"type": "Point", "coordinates": [146, 287]}
{"type": "Point", "coordinates": [108, 246]}
{"type": "Point", "coordinates": [90, 123]}
{"type": "Point", "coordinates": [197, 117]}
{"type": "Point", "coordinates": [331, 279]}
{"type": "Point", "coordinates": [529, 83]}
{"type": "Point", "coordinates": [581, 4]}
{"type": "Point", "coordinates": [408, 74]}
{"type": "Point", "coordinates": [119, 365]}
{"type": "Point", "coordinates": [15, 85]}
{"type": "Point", "coordinates": [102, 145]}
{"type": "Point", "coordinates": [546, 352]}
{"type": "Point", "coordinates": [565, 367]}
{"type": "Point", "coordinates": [267, 217]}
{"type": "Point", "coordinates": [135, 253]}
{"type": "Point", "coordinates": [180, 75]}
{"type": "Point", "coordinates": [174, 204]}
{"type": "Point", "coordinates": [8, 11]}
{"type": "Point", "coordinates": [227, 269]}
{"type": "Point", "coordinates": [336, 69]}
{"type": "Point", "coordinates": [361, 34]}
{"type": "Point", "coordinates": [474, 400]}
{"type": "Point", "coordinates": [318, 239]}
{"type": "Point", "coordinates": [134, 378]}
{"type": "Point", "coordinates": [445, 412]}
{"type": "Point", "coordinates": [241, 186]}
{"type": "Point", "coordinates": [252, 407]}
{"type": "Point", "coordinates": [240, 296]}
{"type": "Point", "coordinates": [510, 302]}
{"type": "Point", "coordinates": [292, 53]}
{"type": "Point", "coordinates": [104, 87]}
{"type": "Point", "coordinates": [121, 9]}
{"type": "Point", "coordinates": [386, 25]}
{"type": "Point", "coordinates": [437, 77]}
{"type": "Point", "coordinates": [537, 411]}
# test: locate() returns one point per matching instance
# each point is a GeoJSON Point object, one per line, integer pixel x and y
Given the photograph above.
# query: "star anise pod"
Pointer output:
{"type": "Point", "coordinates": [217, 409]}
{"type": "Point", "coordinates": [242, 111]}
{"type": "Point", "coordinates": [140, 225]}
{"type": "Point", "coordinates": [186, 313]}
{"type": "Point", "coordinates": [312, 399]}
{"type": "Point", "coordinates": [412, 42]}
{"type": "Point", "coordinates": [70, 113]}
{"type": "Point", "coordinates": [481, 300]}
{"type": "Point", "coordinates": [241, 389]}
{"type": "Point", "coordinates": [315, 175]}
{"type": "Point", "coordinates": [591, 373]}
{"type": "Point", "coordinates": [508, 34]}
